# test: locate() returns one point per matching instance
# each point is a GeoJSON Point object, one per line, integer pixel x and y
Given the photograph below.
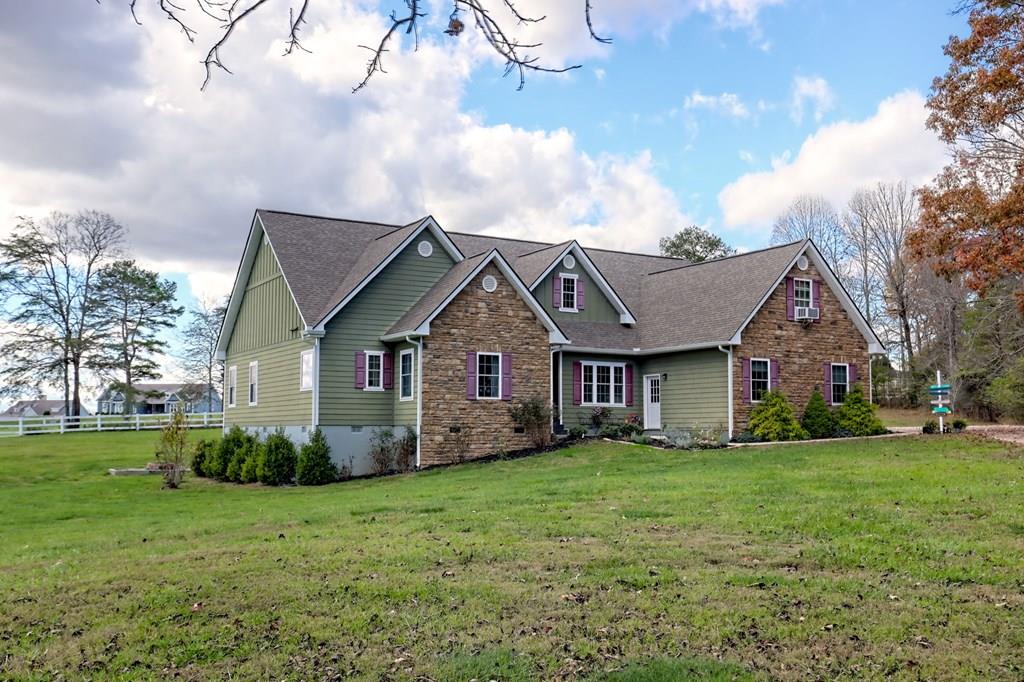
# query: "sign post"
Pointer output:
{"type": "Point", "coordinates": [940, 391]}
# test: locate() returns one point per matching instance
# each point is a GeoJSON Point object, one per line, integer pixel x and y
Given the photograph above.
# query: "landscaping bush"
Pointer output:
{"type": "Point", "coordinates": [774, 420]}
{"type": "Point", "coordinates": [382, 451]}
{"type": "Point", "coordinates": [959, 425]}
{"type": "Point", "coordinates": [250, 464]}
{"type": "Point", "coordinates": [216, 465]}
{"type": "Point", "coordinates": [276, 462]}
{"type": "Point", "coordinates": [630, 429]}
{"type": "Point", "coordinates": [534, 415]}
{"type": "Point", "coordinates": [679, 438]}
{"type": "Point", "coordinates": [577, 432]}
{"type": "Point", "coordinates": [405, 451]}
{"type": "Point", "coordinates": [202, 452]}
{"type": "Point", "coordinates": [314, 466]}
{"type": "Point", "coordinates": [233, 472]}
{"type": "Point", "coordinates": [172, 449]}
{"type": "Point", "coordinates": [641, 439]}
{"type": "Point", "coordinates": [818, 420]}
{"type": "Point", "coordinates": [930, 426]}
{"type": "Point", "coordinates": [857, 415]}
{"type": "Point", "coordinates": [613, 431]}
{"type": "Point", "coordinates": [599, 416]}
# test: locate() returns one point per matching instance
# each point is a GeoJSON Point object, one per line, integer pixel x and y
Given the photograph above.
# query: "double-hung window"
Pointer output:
{"type": "Point", "coordinates": [604, 383]}
{"type": "Point", "coordinates": [840, 383]}
{"type": "Point", "coordinates": [254, 378]}
{"type": "Point", "coordinates": [306, 370]}
{"type": "Point", "coordinates": [374, 371]}
{"type": "Point", "coordinates": [802, 297]}
{"type": "Point", "coordinates": [232, 384]}
{"type": "Point", "coordinates": [568, 293]}
{"type": "Point", "coordinates": [760, 378]}
{"type": "Point", "coordinates": [405, 375]}
{"type": "Point", "coordinates": [488, 376]}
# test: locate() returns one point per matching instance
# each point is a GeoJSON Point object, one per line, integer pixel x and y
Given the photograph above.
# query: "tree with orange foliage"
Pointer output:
{"type": "Point", "coordinates": [972, 215]}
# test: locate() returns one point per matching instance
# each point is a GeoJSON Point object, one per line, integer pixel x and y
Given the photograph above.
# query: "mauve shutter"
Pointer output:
{"type": "Point", "coordinates": [826, 384]}
{"type": "Point", "coordinates": [506, 376]}
{"type": "Point", "coordinates": [577, 383]}
{"type": "Point", "coordinates": [852, 379]}
{"type": "Point", "coordinates": [556, 292]}
{"type": "Point", "coordinates": [360, 369]}
{"type": "Point", "coordinates": [629, 385]}
{"type": "Point", "coordinates": [816, 297]}
{"type": "Point", "coordinates": [470, 376]}
{"type": "Point", "coordinates": [746, 380]}
{"type": "Point", "coordinates": [579, 294]}
{"type": "Point", "coordinates": [773, 373]}
{"type": "Point", "coordinates": [389, 371]}
{"type": "Point", "coordinates": [790, 304]}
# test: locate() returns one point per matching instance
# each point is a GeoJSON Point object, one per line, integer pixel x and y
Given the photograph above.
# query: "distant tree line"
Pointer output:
{"type": "Point", "coordinates": [74, 302]}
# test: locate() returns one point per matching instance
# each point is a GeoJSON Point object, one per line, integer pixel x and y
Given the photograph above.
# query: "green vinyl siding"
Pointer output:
{"type": "Point", "coordinates": [597, 308]}
{"type": "Point", "coordinates": [405, 410]}
{"type": "Point", "coordinates": [279, 400]}
{"type": "Point", "coordinates": [268, 330]}
{"type": "Point", "coordinates": [694, 390]}
{"type": "Point", "coordinates": [360, 325]}
{"type": "Point", "coordinates": [579, 415]}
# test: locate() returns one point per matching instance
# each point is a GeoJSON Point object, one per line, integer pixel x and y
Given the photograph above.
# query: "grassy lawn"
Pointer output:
{"type": "Point", "coordinates": [895, 557]}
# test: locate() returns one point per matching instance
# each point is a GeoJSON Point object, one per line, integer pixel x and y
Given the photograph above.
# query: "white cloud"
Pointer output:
{"type": "Point", "coordinates": [737, 12]}
{"type": "Point", "coordinates": [838, 159]}
{"type": "Point", "coordinates": [814, 91]}
{"type": "Point", "coordinates": [600, 74]}
{"type": "Point", "coordinates": [747, 157]}
{"type": "Point", "coordinates": [726, 103]}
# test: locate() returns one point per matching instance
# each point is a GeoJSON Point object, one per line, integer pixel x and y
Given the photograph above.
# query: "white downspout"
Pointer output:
{"type": "Point", "coordinates": [728, 352]}
{"type": "Point", "coordinates": [551, 392]}
{"type": "Point", "coordinates": [316, 382]}
{"type": "Point", "coordinates": [419, 397]}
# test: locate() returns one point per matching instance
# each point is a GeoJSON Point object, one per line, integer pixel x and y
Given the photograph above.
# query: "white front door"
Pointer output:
{"type": "Point", "coordinates": [652, 402]}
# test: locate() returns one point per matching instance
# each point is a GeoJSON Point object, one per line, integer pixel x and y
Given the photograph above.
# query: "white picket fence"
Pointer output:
{"type": "Point", "coordinates": [30, 426]}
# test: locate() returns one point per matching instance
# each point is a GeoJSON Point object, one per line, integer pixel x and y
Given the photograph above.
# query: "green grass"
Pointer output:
{"type": "Point", "coordinates": [863, 559]}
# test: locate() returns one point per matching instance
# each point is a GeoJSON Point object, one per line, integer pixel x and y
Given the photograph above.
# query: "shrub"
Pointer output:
{"type": "Point", "coordinates": [612, 431]}
{"type": "Point", "coordinates": [679, 438]}
{"type": "Point", "coordinates": [773, 419]}
{"type": "Point", "coordinates": [818, 420]}
{"type": "Point", "coordinates": [314, 465]}
{"type": "Point", "coordinates": [534, 415]}
{"type": "Point", "coordinates": [630, 429]}
{"type": "Point", "coordinates": [405, 451]}
{"type": "Point", "coordinates": [641, 439]}
{"type": "Point", "coordinates": [458, 443]}
{"type": "Point", "coordinates": [202, 452]}
{"type": "Point", "coordinates": [248, 470]}
{"type": "Point", "coordinates": [857, 415]}
{"type": "Point", "coordinates": [959, 424]}
{"type": "Point", "coordinates": [216, 465]}
{"type": "Point", "coordinates": [1006, 392]}
{"type": "Point", "coordinates": [599, 416]}
{"type": "Point", "coordinates": [244, 452]}
{"type": "Point", "coordinates": [930, 426]}
{"type": "Point", "coordinates": [382, 451]}
{"type": "Point", "coordinates": [172, 449]}
{"type": "Point", "coordinates": [577, 432]}
{"type": "Point", "coordinates": [276, 462]}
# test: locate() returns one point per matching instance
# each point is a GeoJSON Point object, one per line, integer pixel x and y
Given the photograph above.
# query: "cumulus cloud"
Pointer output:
{"type": "Point", "coordinates": [838, 159]}
{"type": "Point", "coordinates": [814, 91]}
{"type": "Point", "coordinates": [727, 103]}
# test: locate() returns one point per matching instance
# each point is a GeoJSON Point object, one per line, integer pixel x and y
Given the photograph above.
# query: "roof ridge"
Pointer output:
{"type": "Point", "coordinates": [415, 223]}
{"type": "Point", "coordinates": [335, 219]}
{"type": "Point", "coordinates": [723, 258]}
{"type": "Point", "coordinates": [544, 248]}
{"type": "Point", "coordinates": [506, 239]}
{"type": "Point", "coordinates": [545, 245]}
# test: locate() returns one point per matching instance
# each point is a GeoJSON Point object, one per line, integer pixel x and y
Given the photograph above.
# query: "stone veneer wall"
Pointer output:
{"type": "Point", "coordinates": [799, 348]}
{"type": "Point", "coordinates": [477, 321]}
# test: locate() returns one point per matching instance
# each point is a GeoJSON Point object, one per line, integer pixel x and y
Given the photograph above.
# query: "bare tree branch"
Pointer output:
{"type": "Point", "coordinates": [590, 27]}
{"type": "Point", "coordinates": [296, 24]}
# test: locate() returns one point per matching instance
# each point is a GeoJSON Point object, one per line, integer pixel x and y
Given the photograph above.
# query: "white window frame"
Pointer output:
{"type": "Point", "coordinates": [831, 383]}
{"type": "Point", "coordinates": [593, 383]}
{"type": "Point", "coordinates": [575, 293]}
{"type": "Point", "coordinates": [810, 293]}
{"type": "Point", "coordinates": [254, 383]}
{"type": "Point", "coordinates": [408, 352]}
{"type": "Point", "coordinates": [302, 369]}
{"type": "Point", "coordinates": [232, 386]}
{"type": "Point", "coordinates": [766, 361]}
{"type": "Point", "coordinates": [478, 375]}
{"type": "Point", "coordinates": [379, 354]}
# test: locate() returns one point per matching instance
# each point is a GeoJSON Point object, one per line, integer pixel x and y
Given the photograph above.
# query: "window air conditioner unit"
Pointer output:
{"type": "Point", "coordinates": [806, 313]}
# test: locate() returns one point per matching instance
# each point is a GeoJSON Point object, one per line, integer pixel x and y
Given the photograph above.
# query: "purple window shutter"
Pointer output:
{"type": "Point", "coordinates": [389, 371]}
{"type": "Point", "coordinates": [826, 384]}
{"type": "Point", "coordinates": [577, 383]}
{"type": "Point", "coordinates": [746, 380]}
{"type": "Point", "coordinates": [790, 305]}
{"type": "Point", "coordinates": [816, 297]}
{"type": "Point", "coordinates": [773, 374]}
{"type": "Point", "coordinates": [852, 379]}
{"type": "Point", "coordinates": [556, 292]}
{"type": "Point", "coordinates": [470, 376]}
{"type": "Point", "coordinates": [579, 294]}
{"type": "Point", "coordinates": [360, 369]}
{"type": "Point", "coordinates": [506, 376]}
{"type": "Point", "coordinates": [628, 378]}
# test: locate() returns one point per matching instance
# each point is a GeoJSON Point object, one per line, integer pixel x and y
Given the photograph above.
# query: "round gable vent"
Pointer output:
{"type": "Point", "coordinates": [569, 262]}
{"type": "Point", "coordinates": [802, 263]}
{"type": "Point", "coordinates": [490, 283]}
{"type": "Point", "coordinates": [425, 249]}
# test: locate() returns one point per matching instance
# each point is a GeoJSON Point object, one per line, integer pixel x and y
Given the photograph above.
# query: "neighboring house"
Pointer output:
{"type": "Point", "coordinates": [354, 327]}
{"type": "Point", "coordinates": [37, 408]}
{"type": "Point", "coordinates": [159, 399]}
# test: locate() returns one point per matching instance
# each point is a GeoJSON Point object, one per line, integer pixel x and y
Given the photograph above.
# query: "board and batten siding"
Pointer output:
{"type": "Point", "coordinates": [405, 410]}
{"type": "Point", "coordinates": [579, 415]}
{"type": "Point", "coordinates": [596, 308]}
{"type": "Point", "coordinates": [268, 330]}
{"type": "Point", "coordinates": [695, 392]}
{"type": "Point", "coordinates": [359, 326]}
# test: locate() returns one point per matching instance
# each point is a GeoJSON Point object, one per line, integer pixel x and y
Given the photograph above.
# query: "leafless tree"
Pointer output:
{"type": "Point", "coordinates": [864, 279]}
{"type": "Point", "coordinates": [813, 217]}
{"type": "Point", "coordinates": [199, 348]}
{"type": "Point", "coordinates": [491, 18]}
{"type": "Point", "coordinates": [48, 276]}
